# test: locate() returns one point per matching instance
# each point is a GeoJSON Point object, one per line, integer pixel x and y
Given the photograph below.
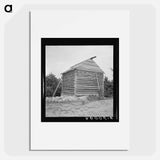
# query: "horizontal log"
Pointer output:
{"type": "Point", "coordinates": [96, 89]}
{"type": "Point", "coordinates": [83, 94]}
{"type": "Point", "coordinates": [87, 90]}
{"type": "Point", "coordinates": [86, 78]}
{"type": "Point", "coordinates": [87, 93]}
{"type": "Point", "coordinates": [87, 84]}
{"type": "Point", "coordinates": [68, 82]}
{"type": "Point", "coordinates": [89, 80]}
{"type": "Point", "coordinates": [68, 88]}
{"type": "Point", "coordinates": [68, 92]}
{"type": "Point", "coordinates": [69, 77]}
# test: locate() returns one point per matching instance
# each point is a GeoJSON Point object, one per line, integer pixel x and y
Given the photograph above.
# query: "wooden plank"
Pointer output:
{"type": "Point", "coordinates": [62, 87]}
{"type": "Point", "coordinates": [85, 90]}
{"type": "Point", "coordinates": [68, 83]}
{"type": "Point", "coordinates": [67, 91]}
{"type": "Point", "coordinates": [85, 94]}
{"type": "Point", "coordinates": [75, 82]}
{"type": "Point", "coordinates": [56, 88]}
{"type": "Point", "coordinates": [97, 82]}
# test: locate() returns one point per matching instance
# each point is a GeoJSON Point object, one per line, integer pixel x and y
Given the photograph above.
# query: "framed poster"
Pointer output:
{"type": "Point", "coordinates": [79, 80]}
{"type": "Point", "coordinates": [84, 92]}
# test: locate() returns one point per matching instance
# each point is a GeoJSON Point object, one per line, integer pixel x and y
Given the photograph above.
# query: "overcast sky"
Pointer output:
{"type": "Point", "coordinates": [61, 58]}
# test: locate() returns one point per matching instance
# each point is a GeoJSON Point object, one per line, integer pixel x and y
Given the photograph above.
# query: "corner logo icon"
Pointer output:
{"type": "Point", "coordinates": [8, 8]}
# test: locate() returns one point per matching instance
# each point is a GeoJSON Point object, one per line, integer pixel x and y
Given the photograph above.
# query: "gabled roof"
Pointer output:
{"type": "Point", "coordinates": [87, 65]}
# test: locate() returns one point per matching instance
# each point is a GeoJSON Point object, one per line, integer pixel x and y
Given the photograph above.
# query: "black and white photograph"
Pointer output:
{"type": "Point", "coordinates": [79, 79]}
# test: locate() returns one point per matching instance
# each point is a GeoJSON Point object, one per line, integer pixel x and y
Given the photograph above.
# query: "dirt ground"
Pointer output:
{"type": "Point", "coordinates": [97, 108]}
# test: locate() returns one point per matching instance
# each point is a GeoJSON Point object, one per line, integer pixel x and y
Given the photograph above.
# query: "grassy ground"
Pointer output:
{"type": "Point", "coordinates": [96, 108]}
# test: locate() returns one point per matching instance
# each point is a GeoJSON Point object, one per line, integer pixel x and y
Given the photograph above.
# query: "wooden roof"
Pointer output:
{"type": "Point", "coordinates": [87, 65]}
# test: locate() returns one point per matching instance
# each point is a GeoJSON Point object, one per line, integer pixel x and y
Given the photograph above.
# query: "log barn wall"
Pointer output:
{"type": "Point", "coordinates": [86, 83]}
{"type": "Point", "coordinates": [101, 83]}
{"type": "Point", "coordinates": [68, 83]}
{"type": "Point", "coordinates": [85, 78]}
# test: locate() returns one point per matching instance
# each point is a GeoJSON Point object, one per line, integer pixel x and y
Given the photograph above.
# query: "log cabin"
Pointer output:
{"type": "Point", "coordinates": [84, 78]}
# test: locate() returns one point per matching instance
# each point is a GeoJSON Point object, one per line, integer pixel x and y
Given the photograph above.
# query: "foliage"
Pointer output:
{"type": "Point", "coordinates": [108, 87]}
{"type": "Point", "coordinates": [51, 84]}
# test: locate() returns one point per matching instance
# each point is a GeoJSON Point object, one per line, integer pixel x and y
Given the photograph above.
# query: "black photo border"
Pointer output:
{"type": "Point", "coordinates": [81, 42]}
